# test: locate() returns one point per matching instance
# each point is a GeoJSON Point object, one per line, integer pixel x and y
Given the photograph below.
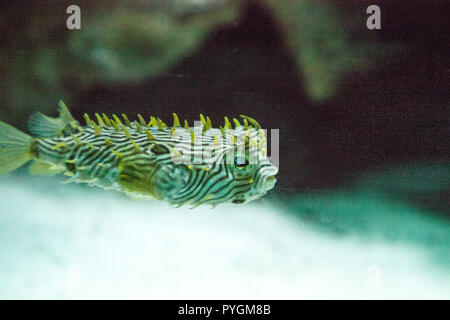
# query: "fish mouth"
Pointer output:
{"type": "Point", "coordinates": [268, 178]}
{"type": "Point", "coordinates": [270, 183]}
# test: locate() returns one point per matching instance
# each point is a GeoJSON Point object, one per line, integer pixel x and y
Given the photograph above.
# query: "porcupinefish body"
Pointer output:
{"type": "Point", "coordinates": [146, 160]}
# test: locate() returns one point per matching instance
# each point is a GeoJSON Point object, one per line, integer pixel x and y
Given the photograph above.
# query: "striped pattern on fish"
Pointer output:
{"type": "Point", "coordinates": [179, 164]}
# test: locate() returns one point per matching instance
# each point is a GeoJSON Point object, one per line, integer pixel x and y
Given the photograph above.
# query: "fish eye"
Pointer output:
{"type": "Point", "coordinates": [241, 163]}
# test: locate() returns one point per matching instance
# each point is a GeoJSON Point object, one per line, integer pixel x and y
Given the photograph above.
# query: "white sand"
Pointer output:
{"type": "Point", "coordinates": [72, 242]}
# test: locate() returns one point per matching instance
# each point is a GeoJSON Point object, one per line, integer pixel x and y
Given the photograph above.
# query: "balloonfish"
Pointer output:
{"type": "Point", "coordinates": [179, 164]}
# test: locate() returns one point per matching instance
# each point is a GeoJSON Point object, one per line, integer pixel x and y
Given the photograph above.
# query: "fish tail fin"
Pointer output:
{"type": "Point", "coordinates": [47, 127]}
{"type": "Point", "coordinates": [16, 148]}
